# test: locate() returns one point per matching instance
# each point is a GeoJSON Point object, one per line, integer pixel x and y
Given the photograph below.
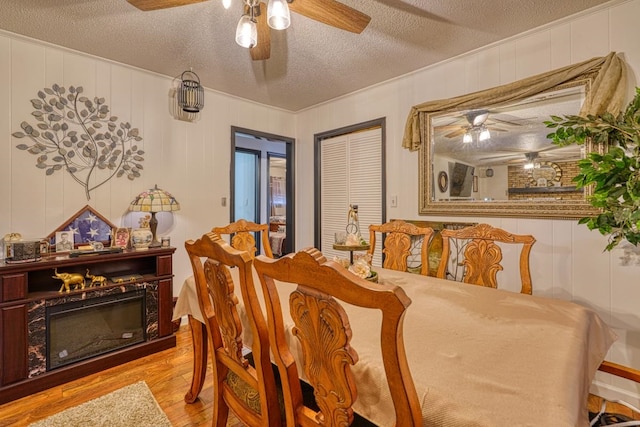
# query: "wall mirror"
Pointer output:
{"type": "Point", "coordinates": [497, 160]}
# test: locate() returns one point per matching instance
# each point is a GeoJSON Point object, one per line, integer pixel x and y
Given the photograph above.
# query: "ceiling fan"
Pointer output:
{"type": "Point", "coordinates": [477, 122]}
{"type": "Point", "coordinates": [257, 24]}
{"type": "Point", "coordinates": [547, 153]}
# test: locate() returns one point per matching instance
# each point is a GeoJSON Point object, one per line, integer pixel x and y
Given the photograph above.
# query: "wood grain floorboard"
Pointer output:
{"type": "Point", "coordinates": [168, 375]}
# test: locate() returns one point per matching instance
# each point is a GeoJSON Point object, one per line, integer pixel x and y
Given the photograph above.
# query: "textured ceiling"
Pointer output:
{"type": "Point", "coordinates": [310, 62]}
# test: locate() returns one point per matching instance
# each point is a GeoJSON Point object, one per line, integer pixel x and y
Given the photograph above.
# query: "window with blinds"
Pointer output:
{"type": "Point", "coordinates": [351, 173]}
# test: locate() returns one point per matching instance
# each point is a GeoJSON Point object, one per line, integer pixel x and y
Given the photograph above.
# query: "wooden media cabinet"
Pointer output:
{"type": "Point", "coordinates": [30, 297]}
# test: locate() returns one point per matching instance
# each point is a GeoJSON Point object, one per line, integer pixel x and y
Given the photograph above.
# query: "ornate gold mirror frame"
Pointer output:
{"type": "Point", "coordinates": [483, 175]}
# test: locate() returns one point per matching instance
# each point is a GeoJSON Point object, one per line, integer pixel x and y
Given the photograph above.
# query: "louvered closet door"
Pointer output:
{"type": "Point", "coordinates": [351, 173]}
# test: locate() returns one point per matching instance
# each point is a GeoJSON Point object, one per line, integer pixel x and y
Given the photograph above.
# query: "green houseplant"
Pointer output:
{"type": "Point", "coordinates": [615, 174]}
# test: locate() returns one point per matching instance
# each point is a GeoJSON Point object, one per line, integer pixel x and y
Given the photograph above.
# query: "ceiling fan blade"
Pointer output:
{"type": "Point", "coordinates": [504, 157]}
{"type": "Point", "coordinates": [262, 50]}
{"type": "Point", "coordinates": [493, 128]}
{"type": "Point", "coordinates": [147, 5]}
{"type": "Point", "coordinates": [332, 13]}
{"type": "Point", "coordinates": [556, 148]}
{"type": "Point", "coordinates": [456, 133]}
{"type": "Point", "coordinates": [507, 122]}
{"type": "Point", "coordinates": [447, 128]}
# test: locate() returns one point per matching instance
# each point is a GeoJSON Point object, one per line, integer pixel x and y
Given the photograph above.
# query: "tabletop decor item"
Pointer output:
{"type": "Point", "coordinates": [64, 241]}
{"type": "Point", "coordinates": [154, 200]}
{"type": "Point", "coordinates": [6, 240]}
{"type": "Point", "coordinates": [353, 235]}
{"type": "Point", "coordinates": [84, 227]}
{"type": "Point", "coordinates": [70, 136]}
{"type": "Point", "coordinates": [352, 241]}
{"type": "Point", "coordinates": [95, 280]}
{"type": "Point", "coordinates": [142, 238]}
{"type": "Point", "coordinates": [353, 225]}
{"type": "Point", "coordinates": [69, 279]}
{"type": "Point", "coordinates": [22, 250]}
{"type": "Point", "coordinates": [613, 170]}
{"type": "Point", "coordinates": [361, 267]}
{"type": "Point", "coordinates": [121, 237]}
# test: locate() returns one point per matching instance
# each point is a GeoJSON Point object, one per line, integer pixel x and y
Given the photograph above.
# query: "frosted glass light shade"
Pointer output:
{"type": "Point", "coordinates": [246, 32]}
{"type": "Point", "coordinates": [278, 16]}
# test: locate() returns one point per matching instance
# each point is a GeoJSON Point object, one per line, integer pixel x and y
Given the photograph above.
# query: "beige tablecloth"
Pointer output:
{"type": "Point", "coordinates": [478, 356]}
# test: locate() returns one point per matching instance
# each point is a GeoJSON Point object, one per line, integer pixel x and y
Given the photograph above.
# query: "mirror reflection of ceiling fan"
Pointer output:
{"type": "Point", "coordinates": [549, 153]}
{"type": "Point", "coordinates": [253, 30]}
{"type": "Point", "coordinates": [479, 125]}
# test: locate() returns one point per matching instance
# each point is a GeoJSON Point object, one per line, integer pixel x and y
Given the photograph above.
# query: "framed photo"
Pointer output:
{"type": "Point", "coordinates": [121, 237]}
{"type": "Point", "coordinates": [64, 241]}
{"type": "Point", "coordinates": [475, 183]}
{"type": "Point", "coordinates": [85, 226]}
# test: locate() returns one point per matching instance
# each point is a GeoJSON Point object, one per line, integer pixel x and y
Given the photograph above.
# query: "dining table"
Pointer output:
{"type": "Point", "coordinates": [478, 356]}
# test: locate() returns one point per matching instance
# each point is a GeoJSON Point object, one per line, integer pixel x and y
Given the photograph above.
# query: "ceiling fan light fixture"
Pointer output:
{"type": "Point", "coordinates": [484, 134]}
{"type": "Point", "coordinates": [467, 138]}
{"type": "Point", "coordinates": [226, 4]}
{"type": "Point", "coordinates": [528, 166]}
{"type": "Point", "coordinates": [278, 16]}
{"type": "Point", "coordinates": [246, 32]}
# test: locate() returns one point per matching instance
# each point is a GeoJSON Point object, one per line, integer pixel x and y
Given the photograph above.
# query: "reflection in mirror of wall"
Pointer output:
{"type": "Point", "coordinates": [500, 161]}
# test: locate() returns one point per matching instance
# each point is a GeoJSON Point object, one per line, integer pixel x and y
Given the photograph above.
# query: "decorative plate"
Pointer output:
{"type": "Point", "coordinates": [443, 181]}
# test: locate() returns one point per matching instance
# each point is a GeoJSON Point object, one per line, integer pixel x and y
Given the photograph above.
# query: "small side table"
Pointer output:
{"type": "Point", "coordinates": [351, 249]}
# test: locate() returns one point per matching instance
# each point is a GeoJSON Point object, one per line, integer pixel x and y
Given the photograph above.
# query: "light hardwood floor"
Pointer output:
{"type": "Point", "coordinates": [168, 375]}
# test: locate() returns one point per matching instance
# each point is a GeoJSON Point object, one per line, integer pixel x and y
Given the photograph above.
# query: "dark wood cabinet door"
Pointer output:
{"type": "Point", "coordinates": [13, 344]}
{"type": "Point", "coordinates": [13, 287]}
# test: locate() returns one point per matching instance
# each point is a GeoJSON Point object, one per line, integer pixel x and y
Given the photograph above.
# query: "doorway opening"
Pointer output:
{"type": "Point", "coordinates": [262, 184]}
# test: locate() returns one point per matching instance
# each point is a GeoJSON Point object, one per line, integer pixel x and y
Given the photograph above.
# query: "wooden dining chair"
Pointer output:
{"type": "Point", "coordinates": [480, 255]}
{"type": "Point", "coordinates": [242, 236]}
{"type": "Point", "coordinates": [400, 237]}
{"type": "Point", "coordinates": [250, 392]}
{"type": "Point", "coordinates": [322, 328]}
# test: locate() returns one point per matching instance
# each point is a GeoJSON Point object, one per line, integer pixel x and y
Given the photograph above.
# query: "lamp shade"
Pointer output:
{"type": "Point", "coordinates": [246, 32]}
{"type": "Point", "coordinates": [278, 16]}
{"type": "Point", "coordinates": [154, 200]}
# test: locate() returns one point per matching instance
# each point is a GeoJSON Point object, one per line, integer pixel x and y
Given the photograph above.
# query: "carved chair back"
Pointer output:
{"type": "Point", "coordinates": [480, 256]}
{"type": "Point", "coordinates": [242, 236]}
{"type": "Point", "coordinates": [250, 392]}
{"type": "Point", "coordinates": [323, 330]}
{"type": "Point", "coordinates": [400, 236]}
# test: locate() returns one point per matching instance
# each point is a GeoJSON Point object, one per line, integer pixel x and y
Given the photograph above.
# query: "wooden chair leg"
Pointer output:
{"type": "Point", "coordinates": [200, 350]}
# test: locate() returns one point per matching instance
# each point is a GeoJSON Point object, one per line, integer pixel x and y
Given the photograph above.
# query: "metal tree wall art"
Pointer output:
{"type": "Point", "coordinates": [77, 134]}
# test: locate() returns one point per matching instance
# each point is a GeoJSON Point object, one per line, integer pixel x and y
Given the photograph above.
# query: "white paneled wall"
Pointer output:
{"type": "Point", "coordinates": [568, 261]}
{"type": "Point", "coordinates": [190, 160]}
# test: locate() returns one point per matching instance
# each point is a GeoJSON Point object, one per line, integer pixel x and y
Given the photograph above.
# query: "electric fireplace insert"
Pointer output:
{"type": "Point", "coordinates": [83, 329]}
